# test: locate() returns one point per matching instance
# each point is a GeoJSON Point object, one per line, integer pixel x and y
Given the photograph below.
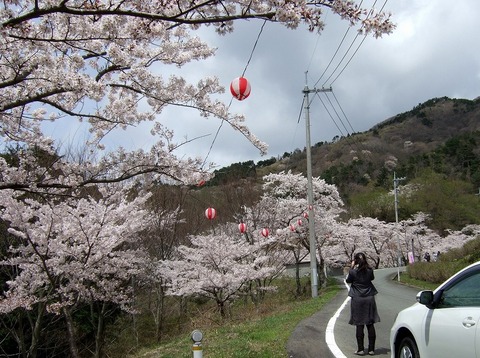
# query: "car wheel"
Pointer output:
{"type": "Point", "coordinates": [407, 348]}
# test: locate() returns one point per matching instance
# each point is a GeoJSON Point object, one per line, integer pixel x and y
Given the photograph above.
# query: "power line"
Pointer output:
{"type": "Point", "coordinates": [336, 51]}
{"type": "Point", "coordinates": [333, 57]}
{"type": "Point", "coordinates": [347, 51]}
{"type": "Point", "coordinates": [254, 47]}
{"type": "Point", "coordinates": [338, 103]}
{"type": "Point", "coordinates": [342, 70]}
{"type": "Point", "coordinates": [340, 118]}
{"type": "Point", "coordinates": [350, 140]}
{"type": "Point", "coordinates": [348, 62]}
{"type": "Point", "coordinates": [330, 115]}
{"type": "Point", "coordinates": [358, 47]}
{"type": "Point", "coordinates": [228, 107]}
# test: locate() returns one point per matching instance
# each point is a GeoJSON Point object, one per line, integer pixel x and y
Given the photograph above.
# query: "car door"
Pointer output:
{"type": "Point", "coordinates": [451, 329]}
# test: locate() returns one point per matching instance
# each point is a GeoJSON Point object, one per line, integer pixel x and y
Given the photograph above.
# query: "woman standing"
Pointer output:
{"type": "Point", "coordinates": [363, 306]}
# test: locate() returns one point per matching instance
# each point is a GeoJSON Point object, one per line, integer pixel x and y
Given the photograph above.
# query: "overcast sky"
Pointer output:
{"type": "Point", "coordinates": [432, 53]}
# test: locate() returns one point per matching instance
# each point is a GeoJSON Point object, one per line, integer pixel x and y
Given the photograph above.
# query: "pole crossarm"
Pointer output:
{"type": "Point", "coordinates": [316, 90]}
{"type": "Point", "coordinates": [307, 90]}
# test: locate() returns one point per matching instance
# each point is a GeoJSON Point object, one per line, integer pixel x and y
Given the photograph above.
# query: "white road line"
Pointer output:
{"type": "Point", "coordinates": [329, 332]}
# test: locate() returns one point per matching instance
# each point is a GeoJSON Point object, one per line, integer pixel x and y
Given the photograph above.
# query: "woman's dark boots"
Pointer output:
{"type": "Point", "coordinates": [371, 339]}
{"type": "Point", "coordinates": [360, 336]}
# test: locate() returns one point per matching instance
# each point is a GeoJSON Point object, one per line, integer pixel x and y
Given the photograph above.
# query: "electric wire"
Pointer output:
{"type": "Point", "coordinates": [330, 115]}
{"type": "Point", "coordinates": [358, 47]}
{"type": "Point", "coordinates": [348, 138]}
{"type": "Point", "coordinates": [325, 82]}
{"type": "Point", "coordinates": [333, 57]}
{"type": "Point", "coordinates": [301, 110]}
{"type": "Point", "coordinates": [338, 103]}
{"type": "Point", "coordinates": [340, 118]}
{"type": "Point", "coordinates": [231, 99]}
{"type": "Point", "coordinates": [336, 51]}
{"type": "Point", "coordinates": [348, 62]}
{"type": "Point", "coordinates": [254, 47]}
{"type": "Point", "coordinates": [338, 65]}
{"type": "Point", "coordinates": [316, 44]}
{"type": "Point", "coordinates": [339, 74]}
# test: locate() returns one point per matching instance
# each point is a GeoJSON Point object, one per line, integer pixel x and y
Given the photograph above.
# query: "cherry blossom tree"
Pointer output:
{"type": "Point", "coordinates": [284, 209]}
{"type": "Point", "coordinates": [369, 235]}
{"type": "Point", "coordinates": [215, 266]}
{"type": "Point", "coordinates": [383, 242]}
{"type": "Point", "coordinates": [71, 253]}
{"type": "Point", "coordinates": [454, 239]}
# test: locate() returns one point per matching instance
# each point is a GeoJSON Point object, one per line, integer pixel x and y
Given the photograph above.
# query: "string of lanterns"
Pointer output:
{"type": "Point", "coordinates": [211, 214]}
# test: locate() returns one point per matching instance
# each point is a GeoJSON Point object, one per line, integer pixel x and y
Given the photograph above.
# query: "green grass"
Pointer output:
{"type": "Point", "coordinates": [420, 284]}
{"type": "Point", "coordinates": [257, 337]}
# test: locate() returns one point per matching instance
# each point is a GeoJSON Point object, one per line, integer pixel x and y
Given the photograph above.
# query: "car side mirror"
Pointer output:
{"type": "Point", "coordinates": [425, 298]}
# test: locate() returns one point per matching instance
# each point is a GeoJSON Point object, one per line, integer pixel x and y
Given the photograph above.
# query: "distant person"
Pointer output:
{"type": "Point", "coordinates": [434, 256]}
{"type": "Point", "coordinates": [363, 307]}
{"type": "Point", "coordinates": [427, 256]}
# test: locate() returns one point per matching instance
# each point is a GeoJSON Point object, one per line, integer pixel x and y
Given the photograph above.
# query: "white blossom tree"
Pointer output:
{"type": "Point", "coordinates": [215, 266]}
{"type": "Point", "coordinates": [74, 252]}
{"type": "Point", "coordinates": [283, 209]}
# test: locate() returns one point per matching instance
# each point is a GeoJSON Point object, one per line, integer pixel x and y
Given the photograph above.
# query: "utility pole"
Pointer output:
{"type": "Point", "coordinates": [311, 213]}
{"type": "Point", "coordinates": [395, 186]}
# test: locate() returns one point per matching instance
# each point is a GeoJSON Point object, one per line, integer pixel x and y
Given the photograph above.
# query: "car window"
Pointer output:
{"type": "Point", "coordinates": [463, 293]}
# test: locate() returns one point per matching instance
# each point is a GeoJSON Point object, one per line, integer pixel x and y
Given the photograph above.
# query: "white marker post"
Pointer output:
{"type": "Point", "coordinates": [197, 350]}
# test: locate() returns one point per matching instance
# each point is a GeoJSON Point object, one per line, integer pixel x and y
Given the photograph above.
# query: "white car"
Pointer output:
{"type": "Point", "coordinates": [444, 322]}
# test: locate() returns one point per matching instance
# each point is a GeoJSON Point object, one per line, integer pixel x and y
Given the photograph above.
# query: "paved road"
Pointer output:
{"type": "Point", "coordinates": [308, 338]}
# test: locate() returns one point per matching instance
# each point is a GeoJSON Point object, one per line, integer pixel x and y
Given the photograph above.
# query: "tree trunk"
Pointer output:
{"type": "Point", "coordinates": [36, 331]}
{"type": "Point", "coordinates": [100, 332]}
{"type": "Point", "coordinates": [71, 333]}
{"type": "Point", "coordinates": [17, 331]}
{"type": "Point", "coordinates": [160, 314]}
{"type": "Point", "coordinates": [322, 278]}
{"type": "Point", "coordinates": [221, 307]}
{"type": "Point", "coordinates": [297, 280]}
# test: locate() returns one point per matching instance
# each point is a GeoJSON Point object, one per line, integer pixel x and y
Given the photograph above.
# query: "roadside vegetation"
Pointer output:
{"type": "Point", "coordinates": [250, 330]}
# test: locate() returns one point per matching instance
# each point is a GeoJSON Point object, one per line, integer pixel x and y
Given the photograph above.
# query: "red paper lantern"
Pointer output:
{"type": "Point", "coordinates": [299, 222]}
{"type": "Point", "coordinates": [265, 232]}
{"type": "Point", "coordinates": [210, 213]}
{"type": "Point", "coordinates": [242, 227]}
{"type": "Point", "coordinates": [292, 227]}
{"type": "Point", "coordinates": [305, 215]}
{"type": "Point", "coordinates": [240, 88]}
